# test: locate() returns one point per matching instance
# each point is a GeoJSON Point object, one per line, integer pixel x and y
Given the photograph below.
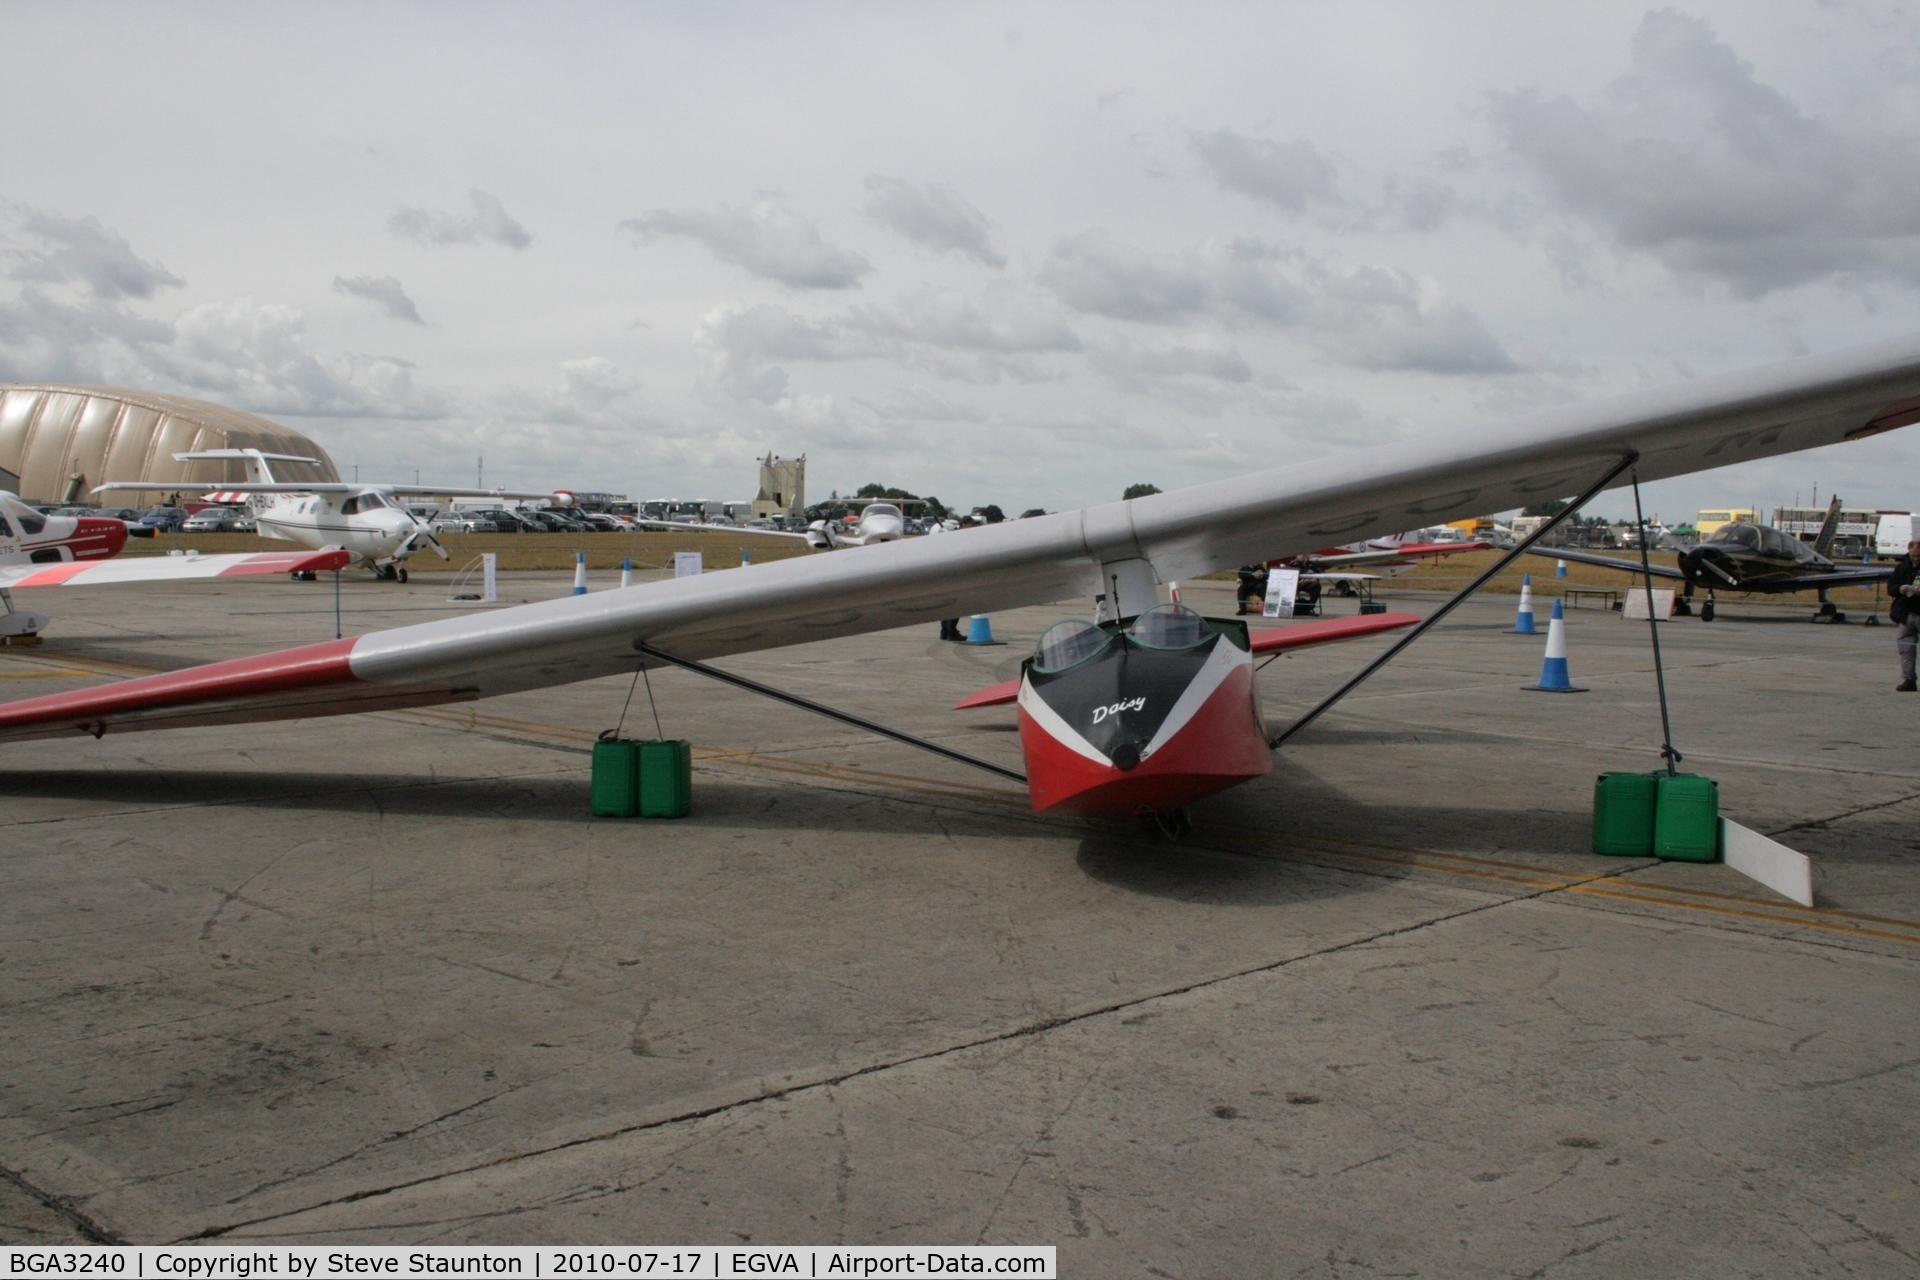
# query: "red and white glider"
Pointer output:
{"type": "Point", "coordinates": [1122, 550]}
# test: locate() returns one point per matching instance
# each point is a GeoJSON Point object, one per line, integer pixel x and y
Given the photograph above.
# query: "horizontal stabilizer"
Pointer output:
{"type": "Point", "coordinates": [997, 695]}
{"type": "Point", "coordinates": [1328, 630]}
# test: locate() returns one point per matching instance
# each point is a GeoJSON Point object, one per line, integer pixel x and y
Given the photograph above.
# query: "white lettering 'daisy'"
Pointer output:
{"type": "Point", "coordinates": [1131, 704]}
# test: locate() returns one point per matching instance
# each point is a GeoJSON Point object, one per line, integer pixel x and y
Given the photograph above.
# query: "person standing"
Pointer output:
{"type": "Point", "coordinates": [1253, 589]}
{"type": "Point", "coordinates": [1905, 613]}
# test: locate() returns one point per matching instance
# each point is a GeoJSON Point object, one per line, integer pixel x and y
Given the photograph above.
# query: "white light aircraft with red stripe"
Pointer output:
{"type": "Point", "coordinates": [74, 551]}
{"type": "Point", "coordinates": [1141, 716]}
{"type": "Point", "coordinates": [361, 519]}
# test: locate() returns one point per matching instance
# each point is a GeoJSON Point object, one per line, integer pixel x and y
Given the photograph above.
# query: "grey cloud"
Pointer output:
{"type": "Point", "coordinates": [1372, 317]}
{"type": "Point", "coordinates": [994, 337]}
{"type": "Point", "coordinates": [933, 217]}
{"type": "Point", "coordinates": [384, 292]}
{"type": "Point", "coordinates": [1200, 355]}
{"type": "Point", "coordinates": [1690, 158]}
{"type": "Point", "coordinates": [1094, 273]}
{"type": "Point", "coordinates": [1289, 175]}
{"type": "Point", "coordinates": [593, 393]}
{"type": "Point", "coordinates": [254, 356]}
{"type": "Point", "coordinates": [489, 222]}
{"type": "Point", "coordinates": [1383, 318]}
{"type": "Point", "coordinates": [769, 241]}
{"type": "Point", "coordinates": [84, 252]}
{"type": "Point", "coordinates": [1006, 320]}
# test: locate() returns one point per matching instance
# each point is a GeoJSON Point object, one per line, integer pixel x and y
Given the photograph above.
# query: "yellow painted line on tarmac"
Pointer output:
{"type": "Point", "coordinates": [45, 673]}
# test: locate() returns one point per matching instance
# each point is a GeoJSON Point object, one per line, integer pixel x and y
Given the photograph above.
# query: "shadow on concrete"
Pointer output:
{"type": "Point", "coordinates": [544, 798]}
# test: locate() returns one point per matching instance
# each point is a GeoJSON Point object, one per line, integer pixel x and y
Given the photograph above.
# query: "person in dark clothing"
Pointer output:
{"type": "Point", "coordinates": [1905, 613]}
{"type": "Point", "coordinates": [1253, 586]}
{"type": "Point", "coordinates": [950, 629]}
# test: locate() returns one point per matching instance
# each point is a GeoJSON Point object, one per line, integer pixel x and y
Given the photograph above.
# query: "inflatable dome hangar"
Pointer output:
{"type": "Point", "coordinates": [58, 442]}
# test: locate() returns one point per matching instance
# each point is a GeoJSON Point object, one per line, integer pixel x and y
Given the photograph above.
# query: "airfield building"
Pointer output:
{"type": "Point", "coordinates": [58, 442]}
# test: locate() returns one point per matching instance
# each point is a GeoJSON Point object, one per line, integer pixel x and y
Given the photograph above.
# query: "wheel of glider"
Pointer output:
{"type": "Point", "coordinates": [1873, 620]}
{"type": "Point", "coordinates": [403, 574]}
{"type": "Point", "coordinates": [1706, 612]}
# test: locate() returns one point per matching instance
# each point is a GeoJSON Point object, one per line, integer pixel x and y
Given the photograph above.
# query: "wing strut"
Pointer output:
{"type": "Point", "coordinates": [1458, 598]}
{"type": "Point", "coordinates": [820, 708]}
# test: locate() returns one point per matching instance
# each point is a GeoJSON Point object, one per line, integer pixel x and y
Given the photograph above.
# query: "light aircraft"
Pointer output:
{"type": "Point", "coordinates": [74, 551]}
{"type": "Point", "coordinates": [1751, 559]}
{"type": "Point", "coordinates": [879, 521]}
{"type": "Point", "coordinates": [1400, 550]}
{"type": "Point", "coordinates": [1142, 718]}
{"type": "Point", "coordinates": [361, 519]}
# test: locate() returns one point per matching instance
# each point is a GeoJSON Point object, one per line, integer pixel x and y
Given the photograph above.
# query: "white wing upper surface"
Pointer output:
{"type": "Point", "coordinates": [1712, 422]}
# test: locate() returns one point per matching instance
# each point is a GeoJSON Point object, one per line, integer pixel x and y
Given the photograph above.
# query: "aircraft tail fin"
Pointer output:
{"type": "Point", "coordinates": [1823, 544]}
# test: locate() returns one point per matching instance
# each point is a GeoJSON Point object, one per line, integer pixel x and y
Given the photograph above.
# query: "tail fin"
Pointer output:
{"type": "Point", "coordinates": [1823, 544]}
{"type": "Point", "coordinates": [258, 472]}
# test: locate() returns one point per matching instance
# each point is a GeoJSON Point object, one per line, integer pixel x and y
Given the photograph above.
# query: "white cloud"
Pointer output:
{"type": "Point", "coordinates": [769, 240]}
{"type": "Point", "coordinates": [489, 222]}
{"type": "Point", "coordinates": [1691, 158]}
{"type": "Point", "coordinates": [384, 292]}
{"type": "Point", "coordinates": [933, 217]}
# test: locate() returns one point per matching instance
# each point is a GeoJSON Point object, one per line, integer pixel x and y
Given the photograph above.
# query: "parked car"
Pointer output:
{"type": "Point", "coordinates": [212, 520]}
{"type": "Point", "coordinates": [163, 519]}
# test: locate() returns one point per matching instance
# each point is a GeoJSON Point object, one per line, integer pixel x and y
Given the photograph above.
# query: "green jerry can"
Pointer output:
{"type": "Point", "coordinates": [616, 778]}
{"type": "Point", "coordinates": [666, 779]}
{"type": "Point", "coordinates": [1686, 824]}
{"type": "Point", "coordinates": [1623, 808]}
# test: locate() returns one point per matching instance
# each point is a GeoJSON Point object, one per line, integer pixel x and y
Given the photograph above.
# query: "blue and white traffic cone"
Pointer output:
{"type": "Point", "coordinates": [1523, 621]}
{"type": "Point", "coordinates": [579, 573]}
{"type": "Point", "coordinates": [1559, 568]}
{"type": "Point", "coordinates": [1553, 671]}
{"type": "Point", "coordinates": [626, 571]}
{"type": "Point", "coordinates": [746, 557]}
{"type": "Point", "coordinates": [980, 630]}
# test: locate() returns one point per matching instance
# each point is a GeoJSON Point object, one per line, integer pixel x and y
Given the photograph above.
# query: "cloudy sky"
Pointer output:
{"type": "Point", "coordinates": [1019, 254]}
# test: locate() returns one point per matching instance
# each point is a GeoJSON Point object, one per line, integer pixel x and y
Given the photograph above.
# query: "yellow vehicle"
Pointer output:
{"type": "Point", "coordinates": [1711, 520]}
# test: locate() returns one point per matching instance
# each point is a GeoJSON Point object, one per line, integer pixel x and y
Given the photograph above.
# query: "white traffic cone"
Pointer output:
{"type": "Point", "coordinates": [1173, 592]}
{"type": "Point", "coordinates": [626, 572]}
{"type": "Point", "coordinates": [579, 573]}
{"type": "Point", "coordinates": [1554, 677]}
{"type": "Point", "coordinates": [1523, 621]}
{"type": "Point", "coordinates": [1559, 568]}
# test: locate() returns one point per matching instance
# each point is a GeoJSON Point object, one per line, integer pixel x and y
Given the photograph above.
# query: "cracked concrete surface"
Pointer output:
{"type": "Point", "coordinates": [383, 980]}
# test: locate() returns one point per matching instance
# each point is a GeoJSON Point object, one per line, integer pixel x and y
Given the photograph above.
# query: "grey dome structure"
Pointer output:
{"type": "Point", "coordinates": [58, 442]}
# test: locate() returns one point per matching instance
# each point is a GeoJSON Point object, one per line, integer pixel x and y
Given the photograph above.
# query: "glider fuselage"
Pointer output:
{"type": "Point", "coordinates": [1140, 717]}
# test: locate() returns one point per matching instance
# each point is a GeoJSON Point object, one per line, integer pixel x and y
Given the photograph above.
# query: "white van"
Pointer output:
{"type": "Point", "coordinates": [1894, 533]}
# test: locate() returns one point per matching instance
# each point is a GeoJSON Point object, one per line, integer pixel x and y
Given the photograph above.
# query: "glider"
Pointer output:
{"type": "Point", "coordinates": [1155, 666]}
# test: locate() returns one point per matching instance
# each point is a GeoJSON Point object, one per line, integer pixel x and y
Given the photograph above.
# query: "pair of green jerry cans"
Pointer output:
{"type": "Point", "coordinates": [650, 779]}
{"type": "Point", "coordinates": [1652, 815]}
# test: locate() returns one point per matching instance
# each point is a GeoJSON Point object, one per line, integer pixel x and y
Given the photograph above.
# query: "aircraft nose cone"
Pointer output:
{"type": "Point", "coordinates": [112, 533]}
